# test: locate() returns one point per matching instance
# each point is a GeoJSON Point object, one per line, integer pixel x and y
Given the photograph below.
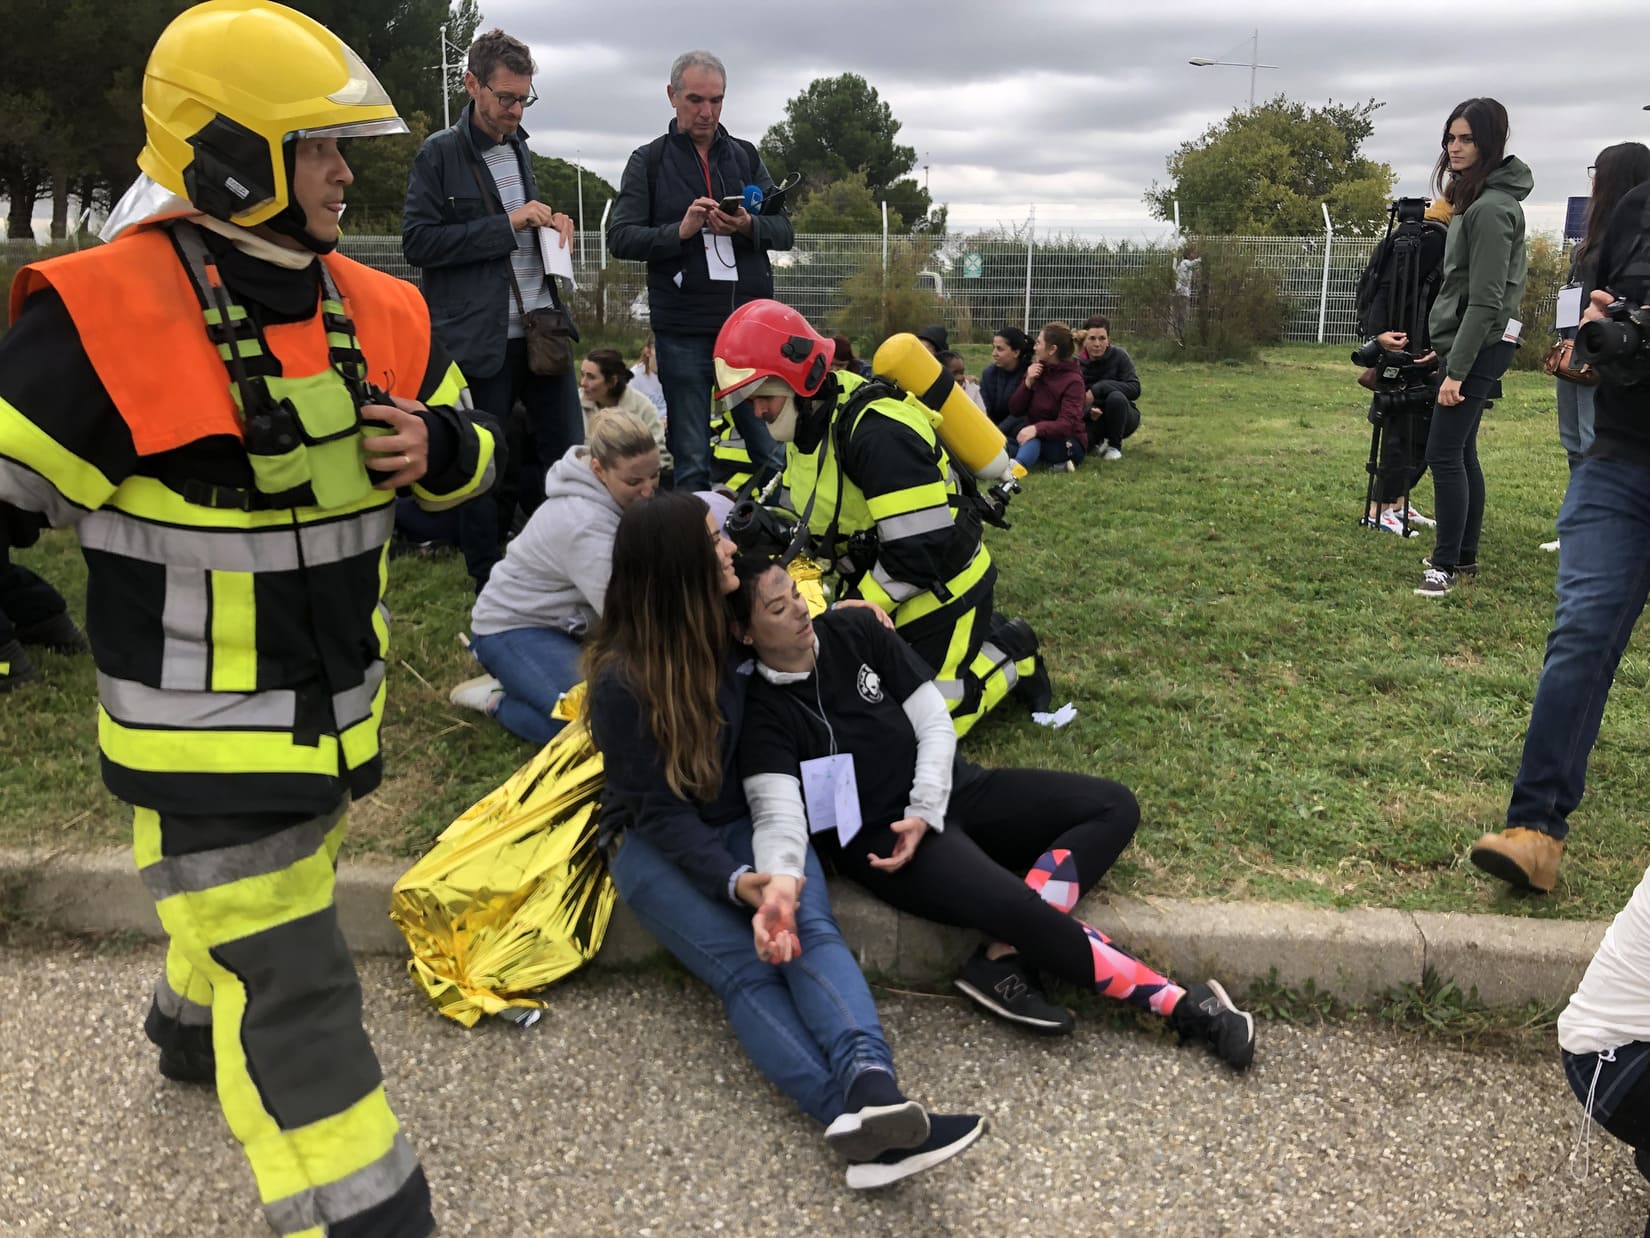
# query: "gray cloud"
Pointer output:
{"type": "Point", "coordinates": [1075, 108]}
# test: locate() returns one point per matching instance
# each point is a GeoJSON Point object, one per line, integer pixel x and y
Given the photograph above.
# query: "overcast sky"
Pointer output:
{"type": "Point", "coordinates": [1074, 106]}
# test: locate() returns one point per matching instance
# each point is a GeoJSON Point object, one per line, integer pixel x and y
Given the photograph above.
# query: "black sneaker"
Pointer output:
{"type": "Point", "coordinates": [1207, 1014]}
{"type": "Point", "coordinates": [948, 1134]}
{"type": "Point", "coordinates": [878, 1117]}
{"type": "Point", "coordinates": [1461, 569]}
{"type": "Point", "coordinates": [1005, 988]}
{"type": "Point", "coordinates": [1436, 582]}
{"type": "Point", "coordinates": [59, 634]}
{"type": "Point", "coordinates": [15, 666]}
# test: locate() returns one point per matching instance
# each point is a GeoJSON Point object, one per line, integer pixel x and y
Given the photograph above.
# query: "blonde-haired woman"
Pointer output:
{"type": "Point", "coordinates": [665, 701]}
{"type": "Point", "coordinates": [546, 593]}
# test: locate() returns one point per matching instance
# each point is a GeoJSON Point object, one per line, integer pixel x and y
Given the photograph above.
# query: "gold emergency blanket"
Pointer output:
{"type": "Point", "coordinates": [514, 894]}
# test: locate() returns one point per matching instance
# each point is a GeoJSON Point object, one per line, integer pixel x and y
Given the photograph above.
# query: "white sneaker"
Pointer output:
{"type": "Point", "coordinates": [1112, 453]}
{"type": "Point", "coordinates": [1392, 522]}
{"type": "Point", "coordinates": [480, 694]}
{"type": "Point", "coordinates": [1550, 547]}
{"type": "Point", "coordinates": [1098, 448]}
{"type": "Point", "coordinates": [1426, 522]}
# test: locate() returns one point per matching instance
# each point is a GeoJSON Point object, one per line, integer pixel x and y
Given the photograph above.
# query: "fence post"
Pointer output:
{"type": "Point", "coordinates": [601, 259]}
{"type": "Point", "coordinates": [1177, 218]}
{"type": "Point", "coordinates": [1323, 296]}
{"type": "Point", "coordinates": [1031, 231]}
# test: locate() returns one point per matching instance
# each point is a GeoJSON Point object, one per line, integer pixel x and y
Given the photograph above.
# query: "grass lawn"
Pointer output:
{"type": "Point", "coordinates": [1296, 724]}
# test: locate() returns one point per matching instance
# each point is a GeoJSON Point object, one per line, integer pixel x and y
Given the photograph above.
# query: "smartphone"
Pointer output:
{"type": "Point", "coordinates": [730, 205]}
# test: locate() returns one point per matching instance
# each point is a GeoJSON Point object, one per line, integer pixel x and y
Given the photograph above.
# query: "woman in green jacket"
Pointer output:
{"type": "Point", "coordinates": [1472, 326]}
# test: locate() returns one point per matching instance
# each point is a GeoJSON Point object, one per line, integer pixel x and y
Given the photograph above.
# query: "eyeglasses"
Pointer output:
{"type": "Point", "coordinates": [508, 101]}
{"type": "Point", "coordinates": [1592, 170]}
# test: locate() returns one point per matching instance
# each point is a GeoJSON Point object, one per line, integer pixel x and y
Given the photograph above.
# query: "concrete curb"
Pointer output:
{"type": "Point", "coordinates": [1356, 955]}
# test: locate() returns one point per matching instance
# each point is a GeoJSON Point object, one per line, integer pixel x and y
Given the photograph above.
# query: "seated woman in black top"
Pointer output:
{"type": "Point", "coordinates": [846, 736]}
{"type": "Point", "coordinates": [1010, 355]}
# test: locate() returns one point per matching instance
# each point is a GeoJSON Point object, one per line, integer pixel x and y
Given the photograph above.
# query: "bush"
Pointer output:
{"type": "Point", "coordinates": [879, 303]}
{"type": "Point", "coordinates": [1236, 306]}
{"type": "Point", "coordinates": [1549, 268]}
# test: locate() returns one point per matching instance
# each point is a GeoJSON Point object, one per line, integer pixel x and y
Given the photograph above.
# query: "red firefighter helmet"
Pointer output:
{"type": "Point", "coordinates": [766, 348]}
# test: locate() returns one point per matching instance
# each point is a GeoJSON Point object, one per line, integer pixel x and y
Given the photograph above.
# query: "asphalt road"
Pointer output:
{"type": "Point", "coordinates": [629, 1110]}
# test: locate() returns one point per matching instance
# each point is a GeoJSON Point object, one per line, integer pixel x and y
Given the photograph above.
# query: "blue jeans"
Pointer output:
{"type": "Point", "coordinates": [1452, 455]}
{"type": "Point", "coordinates": [1050, 451]}
{"type": "Point", "coordinates": [1575, 415]}
{"type": "Point", "coordinates": [809, 1025]}
{"type": "Point", "coordinates": [555, 423]}
{"type": "Point", "coordinates": [687, 372]}
{"type": "Point", "coordinates": [1603, 579]}
{"type": "Point", "coordinates": [535, 665]}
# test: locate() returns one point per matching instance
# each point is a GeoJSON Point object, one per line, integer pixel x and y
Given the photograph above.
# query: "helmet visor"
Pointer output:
{"type": "Point", "coordinates": [362, 88]}
{"type": "Point", "coordinates": [354, 129]}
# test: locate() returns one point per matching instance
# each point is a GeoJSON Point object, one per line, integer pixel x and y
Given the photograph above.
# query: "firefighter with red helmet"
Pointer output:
{"type": "Point", "coordinates": [899, 525]}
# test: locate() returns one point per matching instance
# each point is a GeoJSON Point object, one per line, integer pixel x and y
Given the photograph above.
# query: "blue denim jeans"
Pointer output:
{"type": "Point", "coordinates": [535, 665]}
{"type": "Point", "coordinates": [687, 372]}
{"type": "Point", "coordinates": [809, 1025]}
{"type": "Point", "coordinates": [1603, 578]}
{"type": "Point", "coordinates": [1051, 451]}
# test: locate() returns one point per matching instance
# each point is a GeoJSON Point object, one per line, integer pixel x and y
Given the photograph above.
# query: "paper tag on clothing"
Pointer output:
{"type": "Point", "coordinates": [558, 258]}
{"type": "Point", "coordinates": [831, 793]}
{"type": "Point", "coordinates": [1569, 307]}
{"type": "Point", "coordinates": [720, 259]}
{"type": "Point", "coordinates": [1510, 335]}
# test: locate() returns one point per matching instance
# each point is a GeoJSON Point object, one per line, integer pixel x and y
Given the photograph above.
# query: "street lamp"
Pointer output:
{"type": "Point", "coordinates": [446, 86]}
{"type": "Point", "coordinates": [1251, 64]}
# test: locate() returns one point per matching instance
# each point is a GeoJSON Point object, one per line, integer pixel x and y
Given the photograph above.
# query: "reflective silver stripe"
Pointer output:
{"type": "Point", "coordinates": [896, 589]}
{"type": "Point", "coordinates": [354, 705]}
{"type": "Point", "coordinates": [272, 549]}
{"type": "Point", "coordinates": [432, 504]}
{"type": "Point", "coordinates": [1000, 661]}
{"type": "Point", "coordinates": [914, 524]}
{"type": "Point", "coordinates": [137, 704]}
{"type": "Point", "coordinates": [347, 1197]}
{"type": "Point", "coordinates": [206, 870]}
{"type": "Point", "coordinates": [181, 1009]}
{"type": "Point", "coordinates": [23, 487]}
{"type": "Point", "coordinates": [183, 662]}
{"type": "Point", "coordinates": [950, 689]}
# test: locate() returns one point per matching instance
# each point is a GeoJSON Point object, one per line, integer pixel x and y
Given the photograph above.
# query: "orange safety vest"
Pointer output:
{"type": "Point", "coordinates": [140, 323]}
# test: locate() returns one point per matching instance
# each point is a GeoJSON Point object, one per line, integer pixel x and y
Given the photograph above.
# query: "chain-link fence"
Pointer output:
{"type": "Point", "coordinates": [977, 282]}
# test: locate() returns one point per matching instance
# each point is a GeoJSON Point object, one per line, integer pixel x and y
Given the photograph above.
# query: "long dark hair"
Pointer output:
{"type": "Point", "coordinates": [665, 627]}
{"type": "Point", "coordinates": [1018, 340]}
{"type": "Point", "coordinates": [1489, 134]}
{"type": "Point", "coordinates": [1617, 169]}
{"type": "Point", "coordinates": [612, 368]}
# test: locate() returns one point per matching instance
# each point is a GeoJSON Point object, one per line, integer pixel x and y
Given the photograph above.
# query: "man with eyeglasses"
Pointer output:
{"type": "Point", "coordinates": [470, 221]}
{"type": "Point", "coordinates": [703, 261]}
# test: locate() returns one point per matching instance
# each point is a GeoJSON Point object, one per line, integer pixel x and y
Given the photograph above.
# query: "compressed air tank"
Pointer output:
{"type": "Point", "coordinates": [964, 428]}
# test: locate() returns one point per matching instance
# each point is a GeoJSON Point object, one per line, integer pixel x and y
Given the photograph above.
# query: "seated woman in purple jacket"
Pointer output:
{"type": "Point", "coordinates": [1045, 419]}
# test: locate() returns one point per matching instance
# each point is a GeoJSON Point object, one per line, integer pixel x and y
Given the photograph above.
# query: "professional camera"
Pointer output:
{"type": "Point", "coordinates": [751, 526]}
{"type": "Point", "coordinates": [1618, 345]}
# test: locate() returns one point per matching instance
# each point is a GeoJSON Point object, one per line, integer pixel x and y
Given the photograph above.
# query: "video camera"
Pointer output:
{"type": "Point", "coordinates": [1618, 345]}
{"type": "Point", "coordinates": [753, 526]}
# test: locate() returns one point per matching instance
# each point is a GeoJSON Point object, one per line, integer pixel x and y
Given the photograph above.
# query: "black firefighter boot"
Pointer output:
{"type": "Point", "coordinates": [15, 667]}
{"type": "Point", "coordinates": [1016, 639]}
{"type": "Point", "coordinates": [58, 634]}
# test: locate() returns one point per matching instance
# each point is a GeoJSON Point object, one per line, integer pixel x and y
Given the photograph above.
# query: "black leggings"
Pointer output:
{"type": "Point", "coordinates": [1001, 824]}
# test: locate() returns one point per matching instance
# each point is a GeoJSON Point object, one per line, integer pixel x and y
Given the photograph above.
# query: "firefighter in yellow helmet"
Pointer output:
{"type": "Point", "coordinates": [900, 526]}
{"type": "Point", "coordinates": [225, 409]}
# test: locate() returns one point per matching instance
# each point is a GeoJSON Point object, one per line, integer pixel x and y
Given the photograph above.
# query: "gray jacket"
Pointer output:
{"type": "Point", "coordinates": [554, 573]}
{"type": "Point", "coordinates": [454, 227]}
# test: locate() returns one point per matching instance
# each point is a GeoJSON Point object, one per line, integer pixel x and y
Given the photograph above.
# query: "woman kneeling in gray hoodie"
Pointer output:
{"type": "Point", "coordinates": [548, 590]}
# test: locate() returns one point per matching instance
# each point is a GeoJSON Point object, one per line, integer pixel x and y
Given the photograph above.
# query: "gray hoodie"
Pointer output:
{"type": "Point", "coordinates": [1484, 267]}
{"type": "Point", "coordinates": [554, 573]}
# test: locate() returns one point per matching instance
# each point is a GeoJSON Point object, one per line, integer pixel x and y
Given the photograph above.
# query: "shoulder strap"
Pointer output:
{"type": "Point", "coordinates": [491, 197]}
{"type": "Point", "coordinates": [837, 436]}
{"type": "Point", "coordinates": [655, 158]}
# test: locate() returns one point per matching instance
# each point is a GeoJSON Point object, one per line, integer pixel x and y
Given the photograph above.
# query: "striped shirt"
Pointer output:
{"type": "Point", "coordinates": [525, 261]}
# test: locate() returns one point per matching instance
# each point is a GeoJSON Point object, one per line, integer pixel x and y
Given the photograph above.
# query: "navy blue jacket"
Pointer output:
{"type": "Point", "coordinates": [646, 221]}
{"type": "Point", "coordinates": [463, 241]}
{"type": "Point", "coordinates": [996, 386]}
{"type": "Point", "coordinates": [636, 796]}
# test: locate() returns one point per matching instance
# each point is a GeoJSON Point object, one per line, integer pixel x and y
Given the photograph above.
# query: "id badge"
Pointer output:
{"type": "Point", "coordinates": [720, 260]}
{"type": "Point", "coordinates": [1510, 335]}
{"type": "Point", "coordinates": [831, 793]}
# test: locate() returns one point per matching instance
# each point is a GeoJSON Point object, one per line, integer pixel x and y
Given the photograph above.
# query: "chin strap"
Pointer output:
{"type": "Point", "coordinates": [290, 223]}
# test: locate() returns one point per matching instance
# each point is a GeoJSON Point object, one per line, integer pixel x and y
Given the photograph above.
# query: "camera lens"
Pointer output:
{"type": "Point", "coordinates": [1606, 340]}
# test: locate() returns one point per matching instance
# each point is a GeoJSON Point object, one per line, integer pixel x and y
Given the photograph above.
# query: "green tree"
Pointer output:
{"type": "Point", "coordinates": [1264, 173]}
{"type": "Point", "coordinates": [837, 126]}
{"type": "Point", "coordinates": [844, 206]}
{"type": "Point", "coordinates": [559, 183]}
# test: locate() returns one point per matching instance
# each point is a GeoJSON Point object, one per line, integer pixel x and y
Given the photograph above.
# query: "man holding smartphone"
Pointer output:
{"type": "Point", "coordinates": [682, 209]}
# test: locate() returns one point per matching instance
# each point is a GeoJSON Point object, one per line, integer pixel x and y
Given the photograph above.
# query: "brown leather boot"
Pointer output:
{"type": "Point", "coordinates": [1519, 856]}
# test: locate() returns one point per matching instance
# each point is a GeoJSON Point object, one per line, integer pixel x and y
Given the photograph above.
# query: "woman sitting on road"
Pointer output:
{"type": "Point", "coordinates": [549, 588]}
{"type": "Point", "coordinates": [1045, 420]}
{"type": "Point", "coordinates": [604, 382]}
{"type": "Point", "coordinates": [847, 736]}
{"type": "Point", "coordinates": [665, 703]}
{"type": "Point", "coordinates": [1010, 355]}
